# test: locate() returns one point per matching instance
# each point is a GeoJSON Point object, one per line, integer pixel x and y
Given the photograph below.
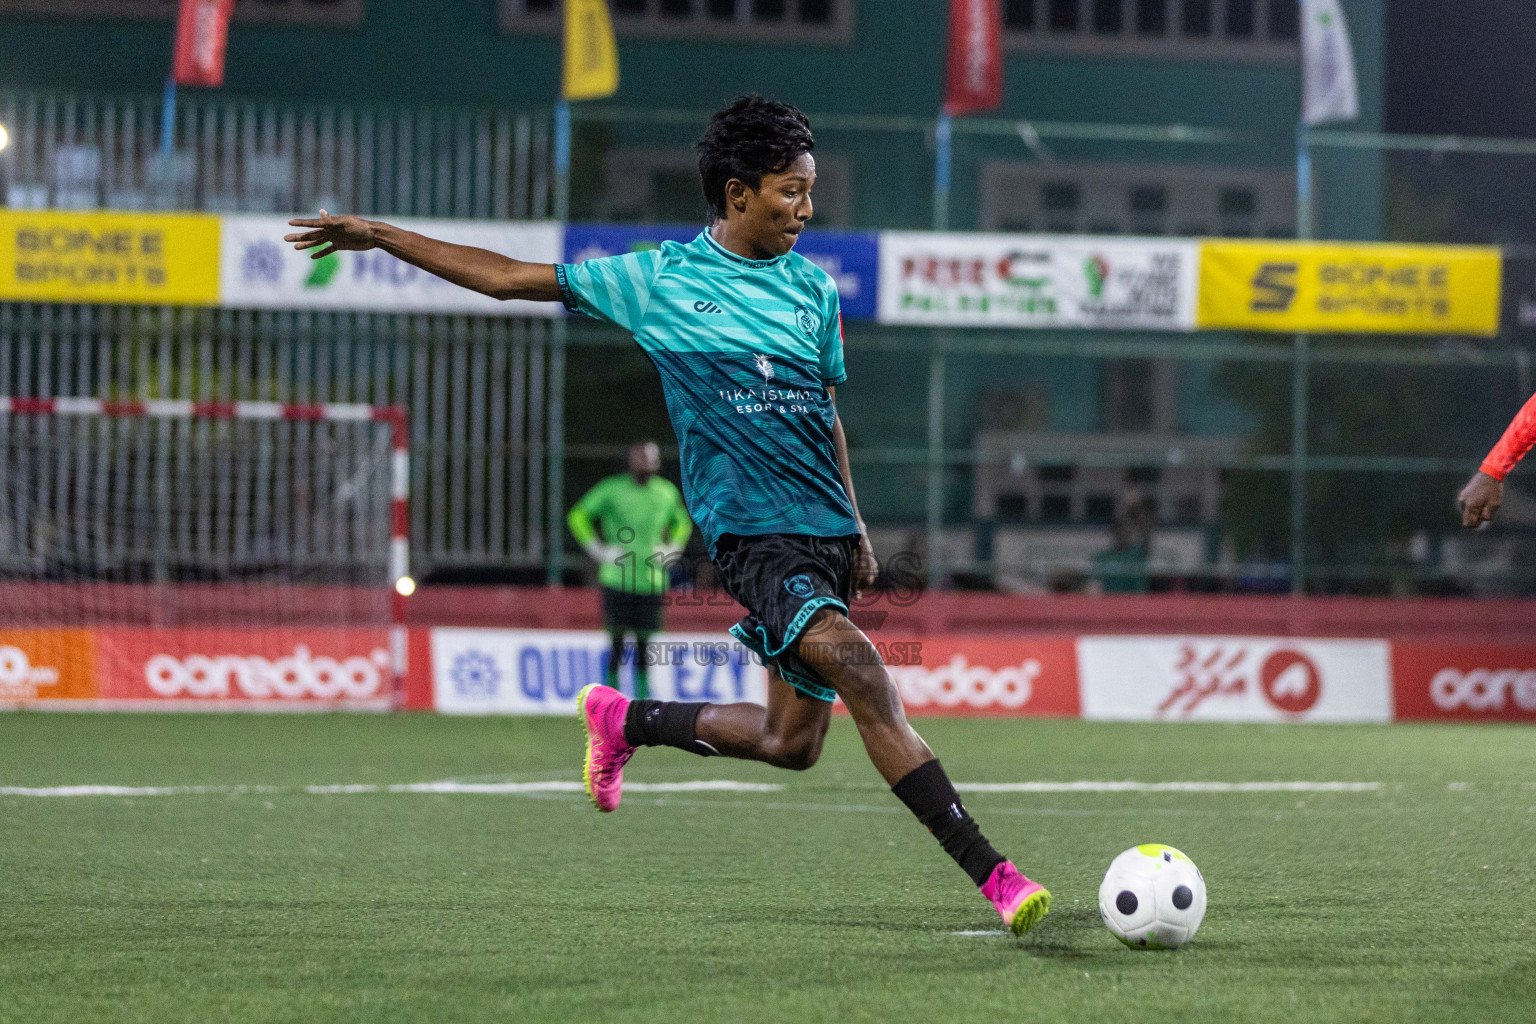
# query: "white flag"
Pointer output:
{"type": "Point", "coordinates": [1329, 90]}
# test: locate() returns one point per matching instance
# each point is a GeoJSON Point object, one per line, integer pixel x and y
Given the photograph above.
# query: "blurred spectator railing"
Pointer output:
{"type": "Point", "coordinates": [87, 152]}
{"type": "Point", "coordinates": [1000, 459]}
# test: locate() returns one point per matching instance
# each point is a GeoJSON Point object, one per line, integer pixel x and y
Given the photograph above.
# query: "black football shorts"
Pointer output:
{"type": "Point", "coordinates": [782, 579]}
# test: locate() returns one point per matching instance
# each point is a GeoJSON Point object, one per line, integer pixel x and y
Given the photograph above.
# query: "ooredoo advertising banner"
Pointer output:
{"type": "Point", "coordinates": [540, 671]}
{"type": "Point", "coordinates": [994, 280]}
{"type": "Point", "coordinates": [1349, 287]}
{"type": "Point", "coordinates": [237, 667]}
{"type": "Point", "coordinates": [47, 665]}
{"type": "Point", "coordinates": [260, 270]}
{"type": "Point", "coordinates": [984, 675]}
{"type": "Point", "coordinates": [1234, 679]}
{"type": "Point", "coordinates": [1464, 682]}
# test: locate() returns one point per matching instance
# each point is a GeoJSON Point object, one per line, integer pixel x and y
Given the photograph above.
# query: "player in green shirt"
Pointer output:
{"type": "Point", "coordinates": [632, 524]}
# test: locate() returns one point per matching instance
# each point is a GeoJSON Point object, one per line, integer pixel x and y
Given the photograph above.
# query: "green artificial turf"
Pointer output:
{"type": "Point", "coordinates": [823, 901]}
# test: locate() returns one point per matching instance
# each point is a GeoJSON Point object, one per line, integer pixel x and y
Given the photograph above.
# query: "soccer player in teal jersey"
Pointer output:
{"type": "Point", "coordinates": [747, 337]}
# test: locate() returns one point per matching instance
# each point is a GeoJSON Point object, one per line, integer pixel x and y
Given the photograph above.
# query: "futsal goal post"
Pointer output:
{"type": "Point", "coordinates": [228, 552]}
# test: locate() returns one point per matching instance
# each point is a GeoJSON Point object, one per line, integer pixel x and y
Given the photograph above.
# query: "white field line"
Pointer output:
{"type": "Point", "coordinates": [1134, 786]}
{"type": "Point", "coordinates": [446, 786]}
{"type": "Point", "coordinates": [453, 786]}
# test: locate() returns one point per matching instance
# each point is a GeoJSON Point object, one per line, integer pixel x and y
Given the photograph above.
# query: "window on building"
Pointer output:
{"type": "Point", "coordinates": [1151, 17]}
{"type": "Point", "coordinates": [1284, 19]}
{"type": "Point", "coordinates": [816, 12]}
{"type": "Point", "coordinates": [1240, 19]}
{"type": "Point", "coordinates": [1107, 16]}
{"type": "Point", "coordinates": [1137, 199]}
{"type": "Point", "coordinates": [1197, 18]}
{"type": "Point", "coordinates": [1125, 397]}
{"type": "Point", "coordinates": [1056, 474]}
{"type": "Point", "coordinates": [321, 12]}
{"type": "Point", "coordinates": [1063, 15]}
{"type": "Point", "coordinates": [1225, 29]}
{"type": "Point", "coordinates": [1019, 15]}
{"type": "Point", "coordinates": [1099, 509]}
{"type": "Point", "coordinates": [1056, 508]}
{"type": "Point", "coordinates": [811, 21]}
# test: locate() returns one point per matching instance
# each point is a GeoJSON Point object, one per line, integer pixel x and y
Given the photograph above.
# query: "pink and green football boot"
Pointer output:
{"type": "Point", "coordinates": [1021, 902]}
{"type": "Point", "coordinates": [602, 710]}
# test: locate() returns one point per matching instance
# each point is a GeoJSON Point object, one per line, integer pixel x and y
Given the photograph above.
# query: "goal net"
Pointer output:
{"type": "Point", "coordinates": [186, 554]}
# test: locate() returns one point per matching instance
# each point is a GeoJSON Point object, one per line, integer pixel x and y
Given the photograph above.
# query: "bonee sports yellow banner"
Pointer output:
{"type": "Point", "coordinates": [1349, 288]}
{"type": "Point", "coordinates": [156, 258]}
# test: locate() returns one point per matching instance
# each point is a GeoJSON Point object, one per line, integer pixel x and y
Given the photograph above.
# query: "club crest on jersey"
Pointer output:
{"type": "Point", "coordinates": [806, 317]}
{"type": "Point", "coordinates": [764, 367]}
{"type": "Point", "coordinates": [800, 585]}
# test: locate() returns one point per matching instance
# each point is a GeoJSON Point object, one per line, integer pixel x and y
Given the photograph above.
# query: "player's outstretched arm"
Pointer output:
{"type": "Point", "coordinates": [480, 270]}
{"type": "Point", "coordinates": [1479, 500]}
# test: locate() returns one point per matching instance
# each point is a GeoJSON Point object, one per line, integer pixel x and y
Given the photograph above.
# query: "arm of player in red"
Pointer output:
{"type": "Point", "coordinates": [1480, 499]}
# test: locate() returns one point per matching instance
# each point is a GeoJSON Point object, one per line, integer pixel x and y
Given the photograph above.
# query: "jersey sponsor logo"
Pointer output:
{"type": "Point", "coordinates": [764, 366]}
{"type": "Point", "coordinates": [809, 322]}
{"type": "Point", "coordinates": [705, 306]}
{"type": "Point", "coordinates": [800, 586]}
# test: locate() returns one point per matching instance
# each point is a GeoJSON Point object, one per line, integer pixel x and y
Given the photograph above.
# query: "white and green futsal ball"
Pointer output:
{"type": "Point", "coordinates": [1153, 897]}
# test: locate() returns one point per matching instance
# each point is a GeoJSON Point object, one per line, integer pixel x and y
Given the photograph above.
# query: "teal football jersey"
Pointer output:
{"type": "Point", "coordinates": [746, 350]}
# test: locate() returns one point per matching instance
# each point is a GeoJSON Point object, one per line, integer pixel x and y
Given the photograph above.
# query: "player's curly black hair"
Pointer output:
{"type": "Point", "coordinates": [750, 138]}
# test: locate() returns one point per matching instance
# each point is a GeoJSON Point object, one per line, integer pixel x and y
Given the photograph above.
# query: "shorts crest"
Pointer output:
{"type": "Point", "coordinates": [800, 585]}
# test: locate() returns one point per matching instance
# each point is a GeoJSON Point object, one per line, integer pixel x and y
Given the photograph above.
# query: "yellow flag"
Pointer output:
{"type": "Point", "coordinates": [591, 55]}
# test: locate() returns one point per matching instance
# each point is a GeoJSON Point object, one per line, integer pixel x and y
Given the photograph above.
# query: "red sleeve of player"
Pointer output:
{"type": "Point", "coordinates": [1517, 440]}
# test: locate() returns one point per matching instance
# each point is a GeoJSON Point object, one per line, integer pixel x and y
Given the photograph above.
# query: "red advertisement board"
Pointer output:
{"type": "Point", "coordinates": [46, 664]}
{"type": "Point", "coordinates": [1464, 682]}
{"type": "Point", "coordinates": [984, 676]}
{"type": "Point", "coordinates": [238, 666]}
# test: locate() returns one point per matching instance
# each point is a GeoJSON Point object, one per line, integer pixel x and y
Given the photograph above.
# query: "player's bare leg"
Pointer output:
{"type": "Point", "coordinates": [788, 733]}
{"type": "Point", "coordinates": [843, 656]}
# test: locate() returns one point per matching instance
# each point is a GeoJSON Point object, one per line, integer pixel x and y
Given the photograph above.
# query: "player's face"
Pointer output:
{"type": "Point", "coordinates": [777, 212]}
{"type": "Point", "coordinates": [644, 460]}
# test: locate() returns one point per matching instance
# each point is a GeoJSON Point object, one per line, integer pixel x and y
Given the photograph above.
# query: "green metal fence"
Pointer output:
{"type": "Point", "coordinates": [1003, 458]}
